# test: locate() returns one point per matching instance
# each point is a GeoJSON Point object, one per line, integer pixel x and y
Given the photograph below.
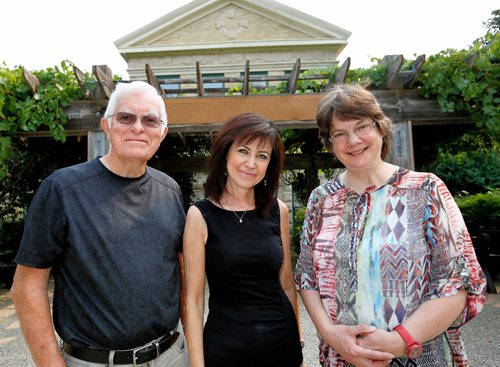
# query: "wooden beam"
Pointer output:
{"type": "Point", "coordinates": [210, 110]}
{"type": "Point", "coordinates": [294, 111]}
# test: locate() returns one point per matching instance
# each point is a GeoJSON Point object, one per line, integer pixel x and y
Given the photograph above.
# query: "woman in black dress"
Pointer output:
{"type": "Point", "coordinates": [238, 239]}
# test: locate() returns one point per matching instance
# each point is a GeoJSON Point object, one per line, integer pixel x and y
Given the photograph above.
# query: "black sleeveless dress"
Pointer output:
{"type": "Point", "coordinates": [250, 319]}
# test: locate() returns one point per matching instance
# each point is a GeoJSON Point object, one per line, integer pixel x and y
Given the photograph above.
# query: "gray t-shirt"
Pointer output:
{"type": "Point", "coordinates": [112, 243]}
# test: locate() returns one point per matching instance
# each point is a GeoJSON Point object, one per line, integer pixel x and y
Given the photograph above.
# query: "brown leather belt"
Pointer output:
{"type": "Point", "coordinates": [137, 356]}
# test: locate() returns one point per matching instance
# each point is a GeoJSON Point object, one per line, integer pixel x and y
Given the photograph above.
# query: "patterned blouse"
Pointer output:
{"type": "Point", "coordinates": [375, 257]}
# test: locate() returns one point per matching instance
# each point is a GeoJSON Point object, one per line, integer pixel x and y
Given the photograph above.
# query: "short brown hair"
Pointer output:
{"type": "Point", "coordinates": [352, 101]}
{"type": "Point", "coordinates": [246, 128]}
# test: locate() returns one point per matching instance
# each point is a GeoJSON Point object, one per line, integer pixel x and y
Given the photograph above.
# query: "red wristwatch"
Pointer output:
{"type": "Point", "coordinates": [413, 348]}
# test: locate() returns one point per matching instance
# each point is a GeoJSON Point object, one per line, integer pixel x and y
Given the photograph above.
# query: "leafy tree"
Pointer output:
{"type": "Point", "coordinates": [467, 81]}
{"type": "Point", "coordinates": [492, 25]}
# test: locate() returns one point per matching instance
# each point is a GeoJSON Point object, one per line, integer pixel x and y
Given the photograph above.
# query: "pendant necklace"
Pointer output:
{"type": "Point", "coordinates": [240, 218]}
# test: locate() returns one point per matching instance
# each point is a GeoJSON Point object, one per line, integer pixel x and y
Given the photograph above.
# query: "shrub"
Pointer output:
{"type": "Point", "coordinates": [469, 171]}
{"type": "Point", "coordinates": [10, 238]}
{"type": "Point", "coordinates": [298, 220]}
{"type": "Point", "coordinates": [481, 210]}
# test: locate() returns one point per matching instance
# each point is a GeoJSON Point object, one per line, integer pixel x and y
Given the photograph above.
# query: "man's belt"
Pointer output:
{"type": "Point", "coordinates": [136, 356]}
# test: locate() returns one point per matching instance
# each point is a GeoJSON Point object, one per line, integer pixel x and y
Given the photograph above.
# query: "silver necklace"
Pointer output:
{"type": "Point", "coordinates": [240, 218]}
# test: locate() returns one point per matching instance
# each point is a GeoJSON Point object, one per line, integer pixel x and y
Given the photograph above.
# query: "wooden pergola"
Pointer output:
{"type": "Point", "coordinates": [196, 112]}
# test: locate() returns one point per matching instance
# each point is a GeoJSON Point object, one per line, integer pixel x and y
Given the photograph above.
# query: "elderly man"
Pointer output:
{"type": "Point", "coordinates": [109, 230]}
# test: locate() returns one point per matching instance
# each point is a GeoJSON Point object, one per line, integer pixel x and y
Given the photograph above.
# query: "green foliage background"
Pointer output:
{"type": "Point", "coordinates": [461, 80]}
{"type": "Point", "coordinates": [481, 210]}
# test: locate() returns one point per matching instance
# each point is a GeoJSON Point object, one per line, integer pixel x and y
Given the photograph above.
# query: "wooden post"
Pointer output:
{"type": "Point", "coordinates": [246, 79]}
{"type": "Point", "coordinates": [97, 144]}
{"type": "Point", "coordinates": [199, 80]}
{"type": "Point", "coordinates": [294, 77]}
{"type": "Point", "coordinates": [402, 145]}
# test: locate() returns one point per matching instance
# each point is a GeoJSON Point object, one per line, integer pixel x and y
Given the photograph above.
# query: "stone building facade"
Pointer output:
{"type": "Point", "coordinates": [223, 34]}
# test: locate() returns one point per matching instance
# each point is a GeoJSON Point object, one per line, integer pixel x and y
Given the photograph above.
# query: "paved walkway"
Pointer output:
{"type": "Point", "coordinates": [481, 336]}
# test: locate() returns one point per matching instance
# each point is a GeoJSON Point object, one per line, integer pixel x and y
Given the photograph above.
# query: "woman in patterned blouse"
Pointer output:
{"type": "Point", "coordinates": [383, 246]}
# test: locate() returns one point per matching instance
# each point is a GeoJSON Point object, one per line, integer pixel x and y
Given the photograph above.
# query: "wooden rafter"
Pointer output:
{"type": "Point", "coordinates": [30, 79]}
{"type": "Point", "coordinates": [394, 63]}
{"type": "Point", "coordinates": [412, 76]}
{"type": "Point", "coordinates": [80, 78]}
{"type": "Point", "coordinates": [342, 72]}
{"type": "Point", "coordinates": [104, 81]}
{"type": "Point", "coordinates": [151, 77]}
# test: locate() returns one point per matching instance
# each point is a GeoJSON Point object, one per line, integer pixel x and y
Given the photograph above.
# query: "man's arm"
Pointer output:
{"type": "Point", "coordinates": [30, 294]}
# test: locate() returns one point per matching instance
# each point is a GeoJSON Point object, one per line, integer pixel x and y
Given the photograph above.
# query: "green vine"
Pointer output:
{"type": "Point", "coordinates": [467, 81]}
{"type": "Point", "coordinates": [22, 110]}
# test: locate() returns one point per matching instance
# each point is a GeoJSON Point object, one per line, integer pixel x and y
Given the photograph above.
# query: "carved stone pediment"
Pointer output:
{"type": "Point", "coordinates": [229, 24]}
{"type": "Point", "coordinates": [223, 34]}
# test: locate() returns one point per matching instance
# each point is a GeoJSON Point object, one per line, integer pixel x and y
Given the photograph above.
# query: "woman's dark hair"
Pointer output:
{"type": "Point", "coordinates": [352, 101]}
{"type": "Point", "coordinates": [243, 129]}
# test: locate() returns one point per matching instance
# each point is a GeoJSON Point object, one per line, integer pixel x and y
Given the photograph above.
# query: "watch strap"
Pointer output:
{"type": "Point", "coordinates": [413, 348]}
{"type": "Point", "coordinates": [408, 339]}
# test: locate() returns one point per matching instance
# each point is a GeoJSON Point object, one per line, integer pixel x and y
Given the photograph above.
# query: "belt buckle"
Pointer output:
{"type": "Point", "coordinates": [135, 357]}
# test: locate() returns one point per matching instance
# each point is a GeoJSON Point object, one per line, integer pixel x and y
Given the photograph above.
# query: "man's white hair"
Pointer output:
{"type": "Point", "coordinates": [124, 89]}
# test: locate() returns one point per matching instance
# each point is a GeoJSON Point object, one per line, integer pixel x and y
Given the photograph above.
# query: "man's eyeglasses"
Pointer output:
{"type": "Point", "coordinates": [126, 118]}
{"type": "Point", "coordinates": [341, 137]}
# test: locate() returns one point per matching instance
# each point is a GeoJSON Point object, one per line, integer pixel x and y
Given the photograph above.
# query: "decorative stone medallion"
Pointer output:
{"type": "Point", "coordinates": [229, 24]}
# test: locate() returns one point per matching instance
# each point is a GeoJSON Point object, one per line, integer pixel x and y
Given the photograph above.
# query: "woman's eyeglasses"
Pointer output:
{"type": "Point", "coordinates": [126, 118]}
{"type": "Point", "coordinates": [341, 137]}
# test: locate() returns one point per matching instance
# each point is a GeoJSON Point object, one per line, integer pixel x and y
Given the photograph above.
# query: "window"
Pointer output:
{"type": "Point", "coordinates": [257, 84]}
{"type": "Point", "coordinates": [213, 88]}
{"type": "Point", "coordinates": [167, 87]}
